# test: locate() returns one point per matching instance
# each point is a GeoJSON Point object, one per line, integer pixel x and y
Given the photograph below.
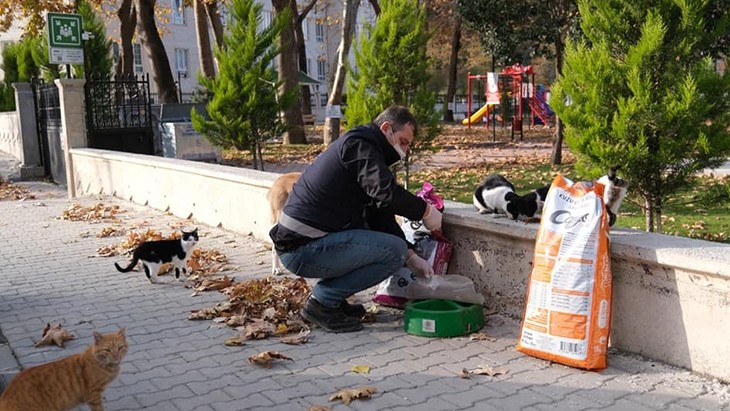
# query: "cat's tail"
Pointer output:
{"type": "Point", "coordinates": [129, 267]}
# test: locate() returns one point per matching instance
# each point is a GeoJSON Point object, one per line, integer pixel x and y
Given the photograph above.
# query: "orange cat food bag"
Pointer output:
{"type": "Point", "coordinates": [568, 310]}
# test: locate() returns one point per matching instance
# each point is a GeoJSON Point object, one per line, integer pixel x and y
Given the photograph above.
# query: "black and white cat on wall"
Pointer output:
{"type": "Point", "coordinates": [613, 193]}
{"type": "Point", "coordinates": [497, 195]}
{"type": "Point", "coordinates": [153, 254]}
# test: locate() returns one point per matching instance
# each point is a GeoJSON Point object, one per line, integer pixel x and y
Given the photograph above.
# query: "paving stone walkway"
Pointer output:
{"type": "Point", "coordinates": [49, 273]}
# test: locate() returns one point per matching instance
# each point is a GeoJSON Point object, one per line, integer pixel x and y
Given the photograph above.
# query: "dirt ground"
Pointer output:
{"type": "Point", "coordinates": [459, 146]}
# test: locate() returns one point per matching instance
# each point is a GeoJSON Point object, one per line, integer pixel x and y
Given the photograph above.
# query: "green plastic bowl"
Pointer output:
{"type": "Point", "coordinates": [442, 318]}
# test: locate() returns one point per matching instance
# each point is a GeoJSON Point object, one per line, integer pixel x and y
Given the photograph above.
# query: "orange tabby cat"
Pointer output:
{"type": "Point", "coordinates": [63, 384]}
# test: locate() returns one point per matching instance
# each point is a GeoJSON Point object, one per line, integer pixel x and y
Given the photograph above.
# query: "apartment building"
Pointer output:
{"type": "Point", "coordinates": [322, 34]}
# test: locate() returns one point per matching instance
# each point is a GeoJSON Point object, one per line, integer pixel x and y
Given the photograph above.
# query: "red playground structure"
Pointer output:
{"type": "Point", "coordinates": [510, 89]}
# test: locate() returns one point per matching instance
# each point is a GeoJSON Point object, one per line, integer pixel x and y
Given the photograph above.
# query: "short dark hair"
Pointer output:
{"type": "Point", "coordinates": [398, 117]}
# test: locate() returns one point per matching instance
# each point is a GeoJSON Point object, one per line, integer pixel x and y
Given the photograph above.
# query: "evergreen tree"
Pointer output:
{"type": "Point", "coordinates": [391, 67]}
{"type": "Point", "coordinates": [97, 49]}
{"type": "Point", "coordinates": [10, 67]}
{"type": "Point", "coordinates": [642, 92]}
{"type": "Point", "coordinates": [244, 109]}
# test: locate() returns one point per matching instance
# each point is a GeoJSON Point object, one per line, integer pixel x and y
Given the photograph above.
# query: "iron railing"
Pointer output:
{"type": "Point", "coordinates": [118, 103]}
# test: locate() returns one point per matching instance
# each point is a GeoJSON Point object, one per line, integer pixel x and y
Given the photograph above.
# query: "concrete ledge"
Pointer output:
{"type": "Point", "coordinates": [229, 197]}
{"type": "Point", "coordinates": [671, 295]}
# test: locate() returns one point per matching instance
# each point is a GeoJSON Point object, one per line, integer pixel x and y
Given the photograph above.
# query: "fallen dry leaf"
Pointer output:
{"type": "Point", "coordinates": [214, 284]}
{"type": "Point", "coordinates": [234, 341]}
{"type": "Point", "coordinates": [10, 191]}
{"type": "Point", "coordinates": [488, 370]}
{"type": "Point", "coordinates": [298, 339]}
{"type": "Point", "coordinates": [258, 329]}
{"type": "Point", "coordinates": [110, 232]}
{"type": "Point", "coordinates": [360, 369]}
{"type": "Point", "coordinates": [264, 358]}
{"type": "Point", "coordinates": [54, 335]}
{"type": "Point", "coordinates": [93, 214]}
{"type": "Point", "coordinates": [349, 394]}
{"type": "Point", "coordinates": [480, 336]}
{"type": "Point", "coordinates": [319, 408]}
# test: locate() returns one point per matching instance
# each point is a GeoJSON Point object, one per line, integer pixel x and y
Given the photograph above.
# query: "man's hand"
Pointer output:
{"type": "Point", "coordinates": [432, 218]}
{"type": "Point", "coordinates": [419, 266]}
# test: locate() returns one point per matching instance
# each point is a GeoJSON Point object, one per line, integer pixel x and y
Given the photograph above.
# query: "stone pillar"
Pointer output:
{"type": "Point", "coordinates": [73, 123]}
{"type": "Point", "coordinates": [32, 165]}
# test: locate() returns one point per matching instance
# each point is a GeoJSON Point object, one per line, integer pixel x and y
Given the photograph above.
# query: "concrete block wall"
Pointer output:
{"type": "Point", "coordinates": [11, 141]}
{"type": "Point", "coordinates": [671, 295]}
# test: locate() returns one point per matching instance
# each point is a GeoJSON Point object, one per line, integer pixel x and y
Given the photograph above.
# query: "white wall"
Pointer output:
{"type": "Point", "coordinates": [670, 294]}
{"type": "Point", "coordinates": [11, 140]}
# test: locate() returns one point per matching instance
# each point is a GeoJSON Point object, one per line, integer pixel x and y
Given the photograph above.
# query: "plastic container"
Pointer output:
{"type": "Point", "coordinates": [442, 318]}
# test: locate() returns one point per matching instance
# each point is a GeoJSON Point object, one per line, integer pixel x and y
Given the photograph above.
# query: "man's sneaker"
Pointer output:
{"type": "Point", "coordinates": [353, 310]}
{"type": "Point", "coordinates": [331, 319]}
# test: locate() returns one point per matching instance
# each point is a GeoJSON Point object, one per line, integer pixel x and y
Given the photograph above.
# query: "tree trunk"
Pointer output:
{"type": "Point", "coordinates": [376, 7]}
{"type": "Point", "coordinates": [658, 219]}
{"type": "Point", "coordinates": [332, 125]}
{"type": "Point", "coordinates": [289, 76]}
{"type": "Point", "coordinates": [207, 67]}
{"type": "Point", "coordinates": [150, 37]}
{"type": "Point", "coordinates": [453, 68]}
{"type": "Point", "coordinates": [557, 155]}
{"type": "Point", "coordinates": [306, 95]}
{"type": "Point", "coordinates": [127, 24]}
{"type": "Point", "coordinates": [214, 15]}
{"type": "Point", "coordinates": [649, 214]}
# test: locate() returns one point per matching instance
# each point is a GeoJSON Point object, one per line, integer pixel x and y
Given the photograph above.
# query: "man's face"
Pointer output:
{"type": "Point", "coordinates": [403, 137]}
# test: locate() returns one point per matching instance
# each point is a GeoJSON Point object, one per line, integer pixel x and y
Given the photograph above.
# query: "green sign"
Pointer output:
{"type": "Point", "coordinates": [65, 33]}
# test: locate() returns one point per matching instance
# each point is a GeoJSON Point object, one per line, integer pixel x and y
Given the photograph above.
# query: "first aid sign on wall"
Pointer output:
{"type": "Point", "coordinates": [65, 44]}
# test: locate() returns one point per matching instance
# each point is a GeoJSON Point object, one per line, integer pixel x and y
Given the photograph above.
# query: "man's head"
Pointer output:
{"type": "Point", "coordinates": [399, 127]}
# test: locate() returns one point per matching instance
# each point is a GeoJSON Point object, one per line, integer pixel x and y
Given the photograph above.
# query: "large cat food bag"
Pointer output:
{"type": "Point", "coordinates": [568, 310]}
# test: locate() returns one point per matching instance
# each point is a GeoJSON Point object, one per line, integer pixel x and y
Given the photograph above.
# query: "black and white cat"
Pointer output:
{"type": "Point", "coordinates": [153, 254]}
{"type": "Point", "coordinates": [497, 195]}
{"type": "Point", "coordinates": [613, 193]}
{"type": "Point", "coordinates": [531, 204]}
{"type": "Point", "coordinates": [493, 195]}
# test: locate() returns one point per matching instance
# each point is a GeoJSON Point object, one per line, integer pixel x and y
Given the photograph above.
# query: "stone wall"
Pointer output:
{"type": "Point", "coordinates": [671, 295]}
{"type": "Point", "coordinates": [11, 141]}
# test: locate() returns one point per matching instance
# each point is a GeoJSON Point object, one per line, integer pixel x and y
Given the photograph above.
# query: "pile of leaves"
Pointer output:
{"type": "Point", "coordinates": [260, 307]}
{"type": "Point", "coordinates": [93, 214]}
{"type": "Point", "coordinates": [10, 191]}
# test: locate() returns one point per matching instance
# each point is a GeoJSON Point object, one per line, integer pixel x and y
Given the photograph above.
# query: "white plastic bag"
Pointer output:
{"type": "Point", "coordinates": [445, 287]}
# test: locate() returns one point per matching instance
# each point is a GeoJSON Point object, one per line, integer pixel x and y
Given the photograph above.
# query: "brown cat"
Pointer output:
{"type": "Point", "coordinates": [63, 384]}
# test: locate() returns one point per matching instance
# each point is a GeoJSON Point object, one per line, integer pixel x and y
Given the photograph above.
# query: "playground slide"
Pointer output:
{"type": "Point", "coordinates": [477, 116]}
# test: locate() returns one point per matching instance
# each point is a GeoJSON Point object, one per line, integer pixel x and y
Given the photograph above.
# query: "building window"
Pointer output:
{"type": "Point", "coordinates": [178, 12]}
{"type": "Point", "coordinates": [320, 31]}
{"type": "Point", "coordinates": [309, 67]}
{"type": "Point", "coordinates": [305, 29]}
{"type": "Point", "coordinates": [323, 99]}
{"type": "Point", "coordinates": [181, 61]}
{"type": "Point", "coordinates": [137, 52]}
{"type": "Point", "coordinates": [321, 70]}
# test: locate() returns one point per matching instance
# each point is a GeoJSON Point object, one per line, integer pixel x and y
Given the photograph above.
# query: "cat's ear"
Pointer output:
{"type": "Point", "coordinates": [98, 337]}
{"type": "Point", "coordinates": [122, 332]}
